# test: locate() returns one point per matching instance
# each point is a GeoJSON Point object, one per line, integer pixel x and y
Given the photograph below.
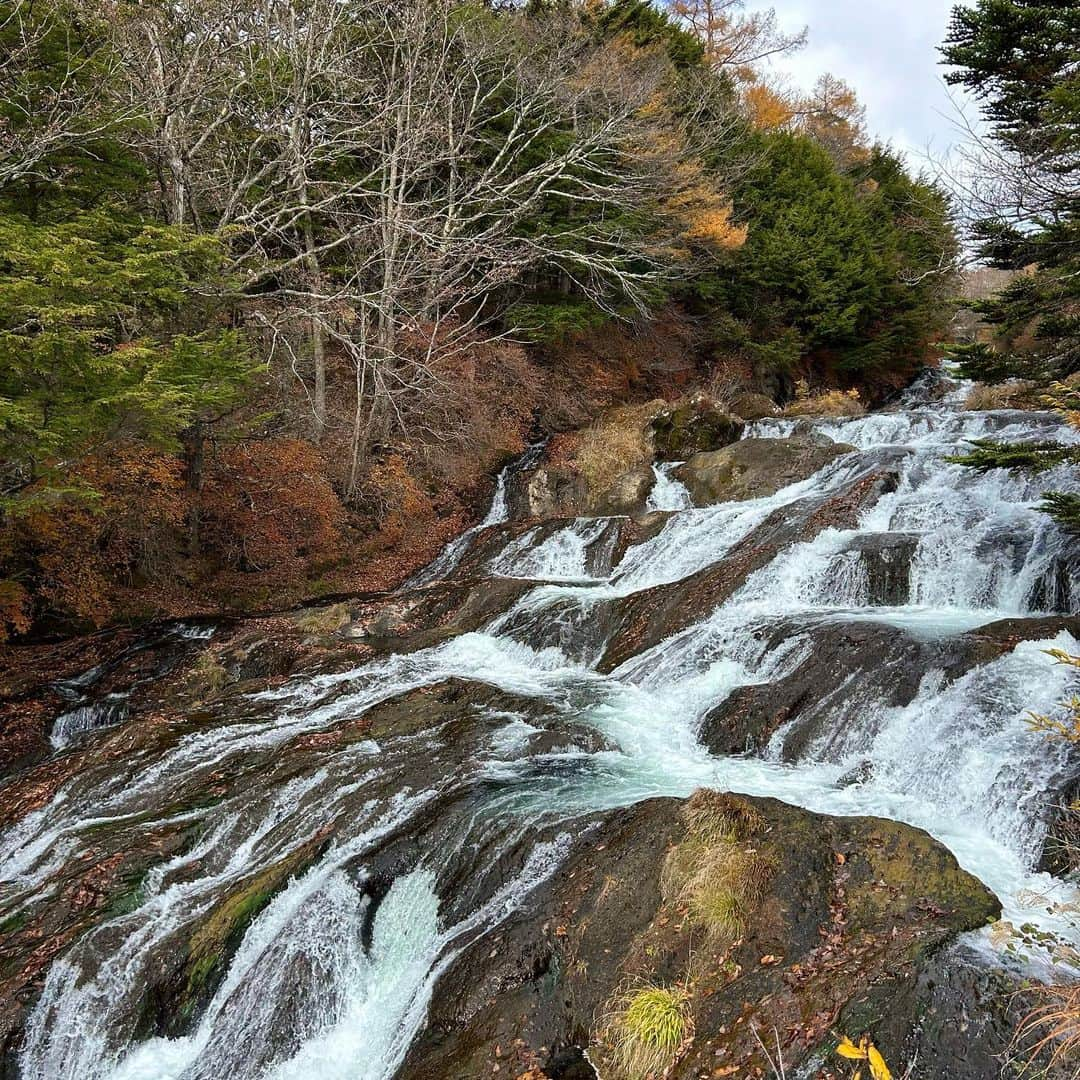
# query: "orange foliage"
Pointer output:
{"type": "Point", "coordinates": [81, 553]}
{"type": "Point", "coordinates": [15, 608]}
{"type": "Point", "coordinates": [833, 116]}
{"type": "Point", "coordinates": [269, 507]}
{"type": "Point", "coordinates": [768, 108]}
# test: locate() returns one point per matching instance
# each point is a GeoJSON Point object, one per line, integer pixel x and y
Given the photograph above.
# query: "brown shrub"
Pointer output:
{"type": "Point", "coordinates": [269, 506]}
{"type": "Point", "coordinates": [83, 556]}
{"type": "Point", "coordinates": [619, 440]}
{"type": "Point", "coordinates": [1010, 395]}
{"type": "Point", "coordinates": [825, 403]}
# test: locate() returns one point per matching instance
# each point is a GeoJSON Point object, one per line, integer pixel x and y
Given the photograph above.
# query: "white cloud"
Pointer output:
{"type": "Point", "coordinates": [887, 51]}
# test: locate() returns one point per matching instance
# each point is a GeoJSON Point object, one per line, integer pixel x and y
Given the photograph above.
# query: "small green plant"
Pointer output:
{"type": "Point", "coordinates": [648, 1031]}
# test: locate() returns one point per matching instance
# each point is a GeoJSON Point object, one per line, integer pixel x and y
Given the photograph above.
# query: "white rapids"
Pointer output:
{"type": "Point", "coordinates": [320, 987]}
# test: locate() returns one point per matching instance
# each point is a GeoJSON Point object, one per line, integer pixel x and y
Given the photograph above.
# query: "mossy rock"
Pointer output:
{"type": "Point", "coordinates": [828, 908]}
{"type": "Point", "coordinates": [755, 468]}
{"type": "Point", "coordinates": [211, 946]}
{"type": "Point", "coordinates": [693, 427]}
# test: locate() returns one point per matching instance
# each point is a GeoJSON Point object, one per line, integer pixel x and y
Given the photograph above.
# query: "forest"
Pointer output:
{"type": "Point", "coordinates": [283, 282]}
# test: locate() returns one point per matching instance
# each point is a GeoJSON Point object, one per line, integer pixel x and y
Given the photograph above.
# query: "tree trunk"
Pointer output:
{"type": "Point", "coordinates": [194, 440]}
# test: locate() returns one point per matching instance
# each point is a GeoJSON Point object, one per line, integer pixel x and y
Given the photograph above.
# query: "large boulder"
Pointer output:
{"type": "Point", "coordinates": [549, 491]}
{"type": "Point", "coordinates": [750, 406]}
{"type": "Point", "coordinates": [754, 468]}
{"type": "Point", "coordinates": [691, 427]}
{"type": "Point", "coordinates": [754, 921]}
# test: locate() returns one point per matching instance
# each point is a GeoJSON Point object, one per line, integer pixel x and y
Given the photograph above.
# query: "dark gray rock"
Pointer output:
{"type": "Point", "coordinates": [754, 468]}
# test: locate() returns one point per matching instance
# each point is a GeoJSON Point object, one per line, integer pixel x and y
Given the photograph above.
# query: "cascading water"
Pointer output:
{"type": "Point", "coordinates": [333, 975]}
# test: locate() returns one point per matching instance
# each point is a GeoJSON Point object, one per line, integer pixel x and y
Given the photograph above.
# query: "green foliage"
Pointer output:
{"type": "Point", "coordinates": [550, 320]}
{"type": "Point", "coordinates": [1030, 457]}
{"type": "Point", "coordinates": [91, 341]}
{"type": "Point", "coordinates": [981, 362]}
{"type": "Point", "coordinates": [647, 25]}
{"type": "Point", "coordinates": [854, 265]}
{"type": "Point", "coordinates": [1064, 508]}
{"type": "Point", "coordinates": [1020, 60]}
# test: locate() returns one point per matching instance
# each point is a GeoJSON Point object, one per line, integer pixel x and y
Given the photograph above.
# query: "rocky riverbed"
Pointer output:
{"type": "Point", "coordinates": [755, 742]}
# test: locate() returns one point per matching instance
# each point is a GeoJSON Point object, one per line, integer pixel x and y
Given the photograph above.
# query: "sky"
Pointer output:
{"type": "Point", "coordinates": [887, 51]}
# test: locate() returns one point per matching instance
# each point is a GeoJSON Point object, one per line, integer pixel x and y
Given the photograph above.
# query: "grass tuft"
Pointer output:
{"type": "Point", "coordinates": [724, 889]}
{"type": "Point", "coordinates": [714, 816]}
{"type": "Point", "coordinates": [323, 620]}
{"type": "Point", "coordinates": [647, 1030]}
{"type": "Point", "coordinates": [1052, 1027]}
{"type": "Point", "coordinates": [208, 676]}
{"type": "Point", "coordinates": [827, 403]}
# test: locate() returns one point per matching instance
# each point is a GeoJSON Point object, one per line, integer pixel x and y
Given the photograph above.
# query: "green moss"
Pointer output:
{"type": "Point", "coordinates": [221, 932]}
{"type": "Point", "coordinates": [14, 922]}
{"type": "Point", "coordinates": [903, 866]}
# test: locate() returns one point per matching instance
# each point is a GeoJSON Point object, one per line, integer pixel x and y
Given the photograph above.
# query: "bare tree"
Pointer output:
{"type": "Point", "coordinates": [734, 39]}
{"type": "Point", "coordinates": [42, 117]}
{"type": "Point", "coordinates": [413, 147]}
{"type": "Point", "coordinates": [184, 67]}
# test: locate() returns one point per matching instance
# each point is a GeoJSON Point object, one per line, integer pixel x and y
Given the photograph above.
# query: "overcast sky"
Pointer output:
{"type": "Point", "coordinates": [887, 50]}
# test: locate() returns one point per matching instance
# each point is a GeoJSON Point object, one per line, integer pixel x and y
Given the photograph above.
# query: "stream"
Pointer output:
{"type": "Point", "coordinates": [333, 976]}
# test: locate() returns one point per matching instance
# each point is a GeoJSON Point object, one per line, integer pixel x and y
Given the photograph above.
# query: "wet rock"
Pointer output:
{"type": "Point", "coordinates": [1058, 589]}
{"type": "Point", "coordinates": [844, 666]}
{"type": "Point", "coordinates": [986, 643]}
{"type": "Point", "coordinates": [648, 617]}
{"type": "Point", "coordinates": [837, 905]}
{"type": "Point", "coordinates": [754, 468]}
{"type": "Point", "coordinates": [546, 492]}
{"type": "Point", "coordinates": [956, 1018]}
{"type": "Point", "coordinates": [1061, 848]}
{"type": "Point", "coordinates": [885, 560]}
{"type": "Point", "coordinates": [848, 672]}
{"type": "Point", "coordinates": [553, 491]}
{"type": "Point", "coordinates": [693, 427]}
{"type": "Point", "coordinates": [627, 495]}
{"type": "Point", "coordinates": [416, 620]}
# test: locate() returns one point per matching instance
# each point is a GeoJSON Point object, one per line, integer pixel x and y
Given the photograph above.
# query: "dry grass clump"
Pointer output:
{"type": "Point", "coordinates": [646, 1029]}
{"type": "Point", "coordinates": [615, 443]}
{"type": "Point", "coordinates": [715, 815]}
{"type": "Point", "coordinates": [724, 890]}
{"type": "Point", "coordinates": [713, 872]}
{"type": "Point", "coordinates": [827, 403]}
{"type": "Point", "coordinates": [1053, 1026]}
{"type": "Point", "coordinates": [207, 676]}
{"type": "Point", "coordinates": [1010, 395]}
{"type": "Point", "coordinates": [324, 620]}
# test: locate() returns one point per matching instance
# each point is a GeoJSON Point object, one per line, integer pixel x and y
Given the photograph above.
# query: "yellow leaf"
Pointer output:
{"type": "Point", "coordinates": [849, 1050]}
{"type": "Point", "coordinates": [878, 1069]}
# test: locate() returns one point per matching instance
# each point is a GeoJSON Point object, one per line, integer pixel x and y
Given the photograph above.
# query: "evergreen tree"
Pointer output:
{"type": "Point", "coordinates": [1021, 60]}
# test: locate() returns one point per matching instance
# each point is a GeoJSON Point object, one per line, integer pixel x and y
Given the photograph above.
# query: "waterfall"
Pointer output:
{"type": "Point", "coordinates": [333, 975]}
{"type": "Point", "coordinates": [667, 492]}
